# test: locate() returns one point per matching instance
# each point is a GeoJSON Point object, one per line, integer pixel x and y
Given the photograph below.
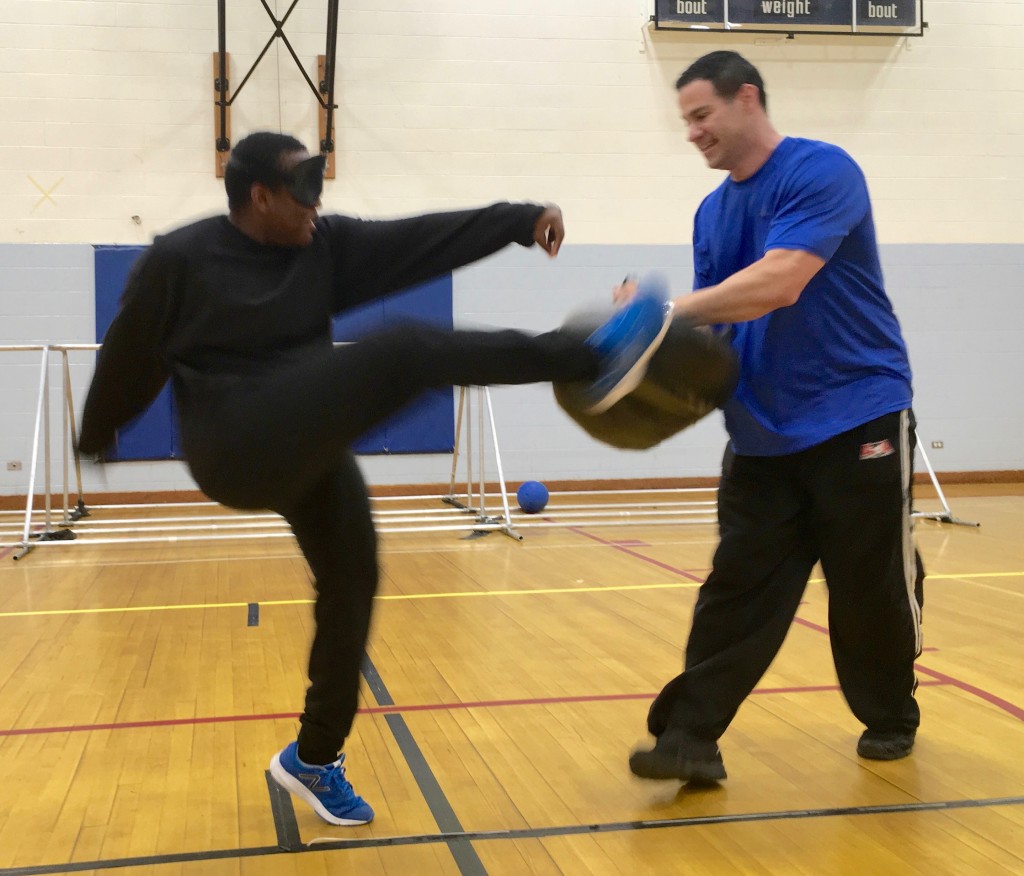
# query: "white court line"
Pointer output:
{"type": "Point", "coordinates": [36, 563]}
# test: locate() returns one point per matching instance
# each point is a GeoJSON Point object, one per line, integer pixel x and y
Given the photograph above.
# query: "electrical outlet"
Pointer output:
{"type": "Point", "coordinates": [14, 465]}
{"type": "Point", "coordinates": [937, 445]}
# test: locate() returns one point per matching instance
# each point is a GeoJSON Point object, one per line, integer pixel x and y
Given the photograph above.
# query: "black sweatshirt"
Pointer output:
{"type": "Point", "coordinates": [208, 305]}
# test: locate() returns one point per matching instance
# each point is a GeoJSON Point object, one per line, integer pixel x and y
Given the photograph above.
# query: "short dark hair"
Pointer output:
{"type": "Point", "coordinates": [726, 71]}
{"type": "Point", "coordinates": [256, 158]}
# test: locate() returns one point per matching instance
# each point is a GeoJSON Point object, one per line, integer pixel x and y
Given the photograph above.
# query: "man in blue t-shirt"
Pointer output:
{"type": "Point", "coordinates": [818, 466]}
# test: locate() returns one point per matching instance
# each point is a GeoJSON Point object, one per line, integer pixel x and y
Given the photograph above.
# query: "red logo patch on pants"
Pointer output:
{"type": "Point", "coordinates": [876, 449]}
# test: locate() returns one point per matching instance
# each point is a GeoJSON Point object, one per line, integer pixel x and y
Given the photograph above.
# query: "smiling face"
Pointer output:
{"type": "Point", "coordinates": [284, 221]}
{"type": "Point", "coordinates": [724, 130]}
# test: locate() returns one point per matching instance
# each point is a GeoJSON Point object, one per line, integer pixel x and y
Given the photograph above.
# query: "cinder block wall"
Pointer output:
{"type": "Point", "coordinates": [108, 115]}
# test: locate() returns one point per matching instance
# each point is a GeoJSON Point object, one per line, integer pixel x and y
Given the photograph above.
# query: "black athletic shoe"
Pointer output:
{"type": "Point", "coordinates": [879, 745]}
{"type": "Point", "coordinates": [677, 756]}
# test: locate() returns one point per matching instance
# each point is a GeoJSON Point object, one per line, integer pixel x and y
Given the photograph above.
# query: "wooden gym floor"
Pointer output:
{"type": "Point", "coordinates": [143, 688]}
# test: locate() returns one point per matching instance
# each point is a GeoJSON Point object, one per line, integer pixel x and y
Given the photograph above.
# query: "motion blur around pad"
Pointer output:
{"type": "Point", "coordinates": [692, 373]}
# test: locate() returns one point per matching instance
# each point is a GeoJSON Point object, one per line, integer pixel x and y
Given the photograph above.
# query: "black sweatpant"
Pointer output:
{"type": "Point", "coordinates": [845, 502]}
{"type": "Point", "coordinates": [281, 441]}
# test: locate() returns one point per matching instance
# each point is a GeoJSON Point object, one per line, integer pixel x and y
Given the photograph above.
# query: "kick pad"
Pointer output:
{"type": "Point", "coordinates": [691, 373]}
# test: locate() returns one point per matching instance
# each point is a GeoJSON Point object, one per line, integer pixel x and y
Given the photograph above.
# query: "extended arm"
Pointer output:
{"type": "Point", "coordinates": [375, 258]}
{"type": "Point", "coordinates": [775, 280]}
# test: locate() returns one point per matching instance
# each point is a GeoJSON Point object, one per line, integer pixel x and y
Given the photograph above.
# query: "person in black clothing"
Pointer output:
{"type": "Point", "coordinates": [236, 311]}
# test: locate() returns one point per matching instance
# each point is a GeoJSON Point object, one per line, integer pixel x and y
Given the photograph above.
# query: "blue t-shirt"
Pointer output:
{"type": "Point", "coordinates": [835, 358]}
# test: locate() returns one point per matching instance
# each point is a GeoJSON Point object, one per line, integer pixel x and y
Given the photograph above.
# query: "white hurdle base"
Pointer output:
{"type": "Point", "coordinates": [471, 512]}
{"type": "Point", "coordinates": [945, 515]}
{"type": "Point", "coordinates": [476, 489]}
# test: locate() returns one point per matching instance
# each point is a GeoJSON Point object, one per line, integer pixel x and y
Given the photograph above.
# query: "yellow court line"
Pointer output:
{"type": "Point", "coordinates": [542, 591]}
{"type": "Point", "coordinates": [929, 577]}
{"type": "Point", "coordinates": [450, 595]}
{"type": "Point", "coordinates": [69, 611]}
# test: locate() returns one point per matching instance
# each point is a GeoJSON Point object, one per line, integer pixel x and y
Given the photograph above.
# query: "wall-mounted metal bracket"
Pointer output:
{"type": "Point", "coordinates": [323, 90]}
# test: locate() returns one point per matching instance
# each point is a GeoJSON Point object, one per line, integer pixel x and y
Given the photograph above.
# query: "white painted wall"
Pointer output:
{"type": "Point", "coordinates": [108, 114]}
{"type": "Point", "coordinates": [108, 107]}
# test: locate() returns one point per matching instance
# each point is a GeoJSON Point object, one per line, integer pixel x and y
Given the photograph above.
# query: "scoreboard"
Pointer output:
{"type": "Point", "coordinates": [845, 17]}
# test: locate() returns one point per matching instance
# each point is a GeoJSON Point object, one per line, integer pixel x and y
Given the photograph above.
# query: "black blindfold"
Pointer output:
{"type": "Point", "coordinates": [305, 181]}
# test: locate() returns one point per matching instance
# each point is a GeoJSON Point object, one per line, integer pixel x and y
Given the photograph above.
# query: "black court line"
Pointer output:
{"type": "Point", "coordinates": [288, 837]}
{"type": "Point", "coordinates": [117, 863]}
{"type": "Point", "coordinates": [518, 834]}
{"type": "Point", "coordinates": [691, 821]}
{"type": "Point", "coordinates": [465, 855]}
{"type": "Point", "coordinates": [254, 614]}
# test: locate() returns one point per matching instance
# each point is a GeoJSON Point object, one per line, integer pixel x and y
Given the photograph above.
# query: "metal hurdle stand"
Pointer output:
{"type": "Point", "coordinates": [62, 532]}
{"type": "Point", "coordinates": [477, 490]}
{"type": "Point", "coordinates": [945, 515]}
{"type": "Point", "coordinates": [472, 512]}
{"type": "Point", "coordinates": [236, 525]}
{"type": "Point", "coordinates": [653, 506]}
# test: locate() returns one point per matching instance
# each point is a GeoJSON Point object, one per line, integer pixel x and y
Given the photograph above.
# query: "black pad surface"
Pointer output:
{"type": "Point", "coordinates": [691, 373]}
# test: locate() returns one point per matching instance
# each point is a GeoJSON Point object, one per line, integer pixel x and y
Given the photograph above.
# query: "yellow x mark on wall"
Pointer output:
{"type": "Point", "coordinates": [46, 192]}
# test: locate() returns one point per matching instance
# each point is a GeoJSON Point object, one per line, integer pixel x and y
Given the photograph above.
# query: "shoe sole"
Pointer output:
{"type": "Point", "coordinates": [652, 765]}
{"type": "Point", "coordinates": [885, 754]}
{"type": "Point", "coordinates": [632, 379]}
{"type": "Point", "coordinates": [291, 784]}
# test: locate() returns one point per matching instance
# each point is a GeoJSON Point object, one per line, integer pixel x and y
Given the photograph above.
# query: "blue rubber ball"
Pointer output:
{"type": "Point", "coordinates": [532, 496]}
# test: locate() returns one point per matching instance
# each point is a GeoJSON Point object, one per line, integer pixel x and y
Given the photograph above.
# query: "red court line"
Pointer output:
{"type": "Point", "coordinates": [810, 625]}
{"type": "Point", "coordinates": [1005, 705]}
{"type": "Point", "coordinates": [626, 550]}
{"type": "Point", "coordinates": [939, 678]}
{"type": "Point", "coordinates": [988, 697]}
{"type": "Point", "coordinates": [396, 709]}
{"type": "Point", "coordinates": [129, 725]}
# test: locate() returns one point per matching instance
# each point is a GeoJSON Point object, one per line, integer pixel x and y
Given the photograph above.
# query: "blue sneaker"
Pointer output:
{"type": "Point", "coordinates": [626, 343]}
{"type": "Point", "coordinates": [325, 788]}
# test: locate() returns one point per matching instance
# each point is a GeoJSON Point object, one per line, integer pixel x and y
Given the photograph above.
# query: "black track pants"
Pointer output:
{"type": "Point", "coordinates": [845, 502]}
{"type": "Point", "coordinates": [281, 441]}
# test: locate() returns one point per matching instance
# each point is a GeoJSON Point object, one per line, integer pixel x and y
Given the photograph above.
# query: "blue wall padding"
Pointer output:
{"type": "Point", "coordinates": [154, 435]}
{"type": "Point", "coordinates": [427, 425]}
